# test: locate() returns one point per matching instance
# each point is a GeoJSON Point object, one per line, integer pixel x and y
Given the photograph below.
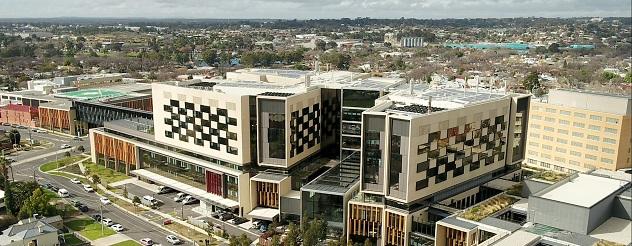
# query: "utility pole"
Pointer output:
{"type": "Point", "coordinates": [182, 211]}
{"type": "Point", "coordinates": [101, 206]}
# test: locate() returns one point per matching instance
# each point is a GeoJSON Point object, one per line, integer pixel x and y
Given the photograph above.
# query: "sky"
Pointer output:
{"type": "Point", "coordinates": [313, 9]}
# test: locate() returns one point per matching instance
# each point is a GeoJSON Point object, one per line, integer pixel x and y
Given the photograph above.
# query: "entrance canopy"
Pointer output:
{"type": "Point", "coordinates": [268, 214]}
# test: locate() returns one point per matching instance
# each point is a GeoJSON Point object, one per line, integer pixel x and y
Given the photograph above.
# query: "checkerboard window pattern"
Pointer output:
{"type": "Point", "coordinates": [305, 129]}
{"type": "Point", "coordinates": [200, 124]}
{"type": "Point", "coordinates": [468, 146]}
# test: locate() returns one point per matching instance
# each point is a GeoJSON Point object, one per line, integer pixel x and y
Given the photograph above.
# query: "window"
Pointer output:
{"type": "Point", "coordinates": [565, 112]}
{"type": "Point", "coordinates": [560, 150]}
{"type": "Point", "coordinates": [547, 156]}
{"type": "Point", "coordinates": [576, 163]}
{"type": "Point", "coordinates": [565, 122]}
{"type": "Point", "coordinates": [593, 137]}
{"type": "Point", "coordinates": [611, 130]}
{"type": "Point", "coordinates": [536, 117]}
{"type": "Point", "coordinates": [606, 160]}
{"type": "Point", "coordinates": [610, 140]}
{"type": "Point", "coordinates": [536, 126]}
{"type": "Point", "coordinates": [545, 165]}
{"type": "Point", "coordinates": [579, 115]}
{"type": "Point", "coordinates": [612, 120]}
{"type": "Point", "coordinates": [607, 150]}
{"type": "Point", "coordinates": [592, 147]}
{"type": "Point", "coordinates": [548, 138]}
{"type": "Point", "coordinates": [576, 153]}
{"type": "Point", "coordinates": [578, 124]}
{"type": "Point", "coordinates": [595, 117]}
{"type": "Point", "coordinates": [562, 131]}
{"type": "Point", "coordinates": [534, 108]}
{"type": "Point", "coordinates": [560, 159]}
{"type": "Point", "coordinates": [168, 134]}
{"type": "Point", "coordinates": [562, 141]}
{"type": "Point", "coordinates": [532, 161]}
{"type": "Point", "coordinates": [534, 144]}
{"type": "Point", "coordinates": [421, 184]}
{"type": "Point", "coordinates": [549, 119]}
{"type": "Point", "coordinates": [531, 152]}
{"type": "Point", "coordinates": [534, 135]}
{"type": "Point", "coordinates": [577, 144]}
{"type": "Point", "coordinates": [549, 129]}
{"type": "Point", "coordinates": [591, 157]}
{"type": "Point", "coordinates": [547, 147]}
{"type": "Point", "coordinates": [578, 134]}
{"type": "Point", "coordinates": [594, 127]}
{"type": "Point", "coordinates": [551, 110]}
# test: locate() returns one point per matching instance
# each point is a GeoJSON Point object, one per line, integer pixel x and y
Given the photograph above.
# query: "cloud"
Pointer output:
{"type": "Point", "coordinates": [308, 9]}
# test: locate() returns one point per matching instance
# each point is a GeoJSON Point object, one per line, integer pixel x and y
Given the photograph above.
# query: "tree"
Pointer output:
{"type": "Point", "coordinates": [8, 191]}
{"type": "Point", "coordinates": [331, 45]}
{"type": "Point", "coordinates": [276, 241]}
{"type": "Point", "coordinates": [66, 154]}
{"type": "Point", "coordinates": [367, 242]}
{"type": "Point", "coordinates": [14, 135]}
{"type": "Point", "coordinates": [18, 193]}
{"type": "Point", "coordinates": [38, 203]}
{"type": "Point", "coordinates": [320, 45]}
{"type": "Point", "coordinates": [80, 148]}
{"type": "Point", "coordinates": [628, 78]}
{"type": "Point", "coordinates": [292, 234]}
{"type": "Point", "coordinates": [554, 48]}
{"type": "Point", "coordinates": [96, 179]}
{"type": "Point", "coordinates": [608, 75]}
{"type": "Point", "coordinates": [341, 61]}
{"type": "Point", "coordinates": [210, 56]}
{"type": "Point", "coordinates": [531, 81]}
{"type": "Point", "coordinates": [135, 201]}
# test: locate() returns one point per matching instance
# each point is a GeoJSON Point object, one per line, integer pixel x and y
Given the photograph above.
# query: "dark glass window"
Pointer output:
{"type": "Point", "coordinates": [359, 98]}
{"type": "Point", "coordinates": [421, 184]}
{"type": "Point", "coordinates": [422, 166]}
{"type": "Point", "coordinates": [351, 114]}
{"type": "Point", "coordinates": [276, 136]}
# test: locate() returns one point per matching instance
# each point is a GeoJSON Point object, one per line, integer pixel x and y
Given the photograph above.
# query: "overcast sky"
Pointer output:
{"type": "Point", "coordinates": [313, 9]}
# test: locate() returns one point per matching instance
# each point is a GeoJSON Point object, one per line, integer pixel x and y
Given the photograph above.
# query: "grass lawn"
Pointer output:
{"type": "Point", "coordinates": [188, 232]}
{"type": "Point", "coordinates": [107, 175]}
{"type": "Point", "coordinates": [50, 194]}
{"type": "Point", "coordinates": [126, 243]}
{"type": "Point", "coordinates": [60, 163]}
{"type": "Point", "coordinates": [72, 240]}
{"type": "Point", "coordinates": [89, 228]}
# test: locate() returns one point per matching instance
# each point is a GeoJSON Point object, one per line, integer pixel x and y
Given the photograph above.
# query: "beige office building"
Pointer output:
{"type": "Point", "coordinates": [574, 131]}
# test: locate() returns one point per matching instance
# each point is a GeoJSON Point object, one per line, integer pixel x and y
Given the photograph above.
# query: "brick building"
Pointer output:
{"type": "Point", "coordinates": [19, 114]}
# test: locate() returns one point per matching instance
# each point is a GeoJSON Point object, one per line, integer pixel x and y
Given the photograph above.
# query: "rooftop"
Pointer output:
{"type": "Point", "coordinates": [439, 98]}
{"type": "Point", "coordinates": [593, 187]}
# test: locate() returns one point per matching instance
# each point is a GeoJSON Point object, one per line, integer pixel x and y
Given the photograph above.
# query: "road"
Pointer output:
{"type": "Point", "coordinates": [56, 140]}
{"type": "Point", "coordinates": [135, 228]}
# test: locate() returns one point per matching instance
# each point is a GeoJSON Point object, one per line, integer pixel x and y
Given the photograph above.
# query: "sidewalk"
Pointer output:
{"type": "Point", "coordinates": [112, 239]}
{"type": "Point", "coordinates": [144, 185]}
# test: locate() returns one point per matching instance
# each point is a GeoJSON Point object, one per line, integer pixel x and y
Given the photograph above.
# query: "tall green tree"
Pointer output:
{"type": "Point", "coordinates": [9, 201]}
{"type": "Point", "coordinates": [292, 234]}
{"type": "Point", "coordinates": [38, 203]}
{"type": "Point", "coordinates": [210, 56]}
{"type": "Point", "coordinates": [15, 137]}
{"type": "Point", "coordinates": [531, 81]}
{"type": "Point", "coordinates": [337, 59]}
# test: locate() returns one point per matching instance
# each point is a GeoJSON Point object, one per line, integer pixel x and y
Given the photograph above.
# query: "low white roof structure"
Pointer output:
{"type": "Point", "coordinates": [193, 191]}
{"type": "Point", "coordinates": [264, 213]}
{"type": "Point", "coordinates": [615, 230]}
{"type": "Point", "coordinates": [518, 238]}
{"type": "Point", "coordinates": [593, 188]}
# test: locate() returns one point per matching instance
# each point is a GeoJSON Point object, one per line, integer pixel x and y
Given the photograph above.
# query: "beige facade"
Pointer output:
{"type": "Point", "coordinates": [572, 137]}
{"type": "Point", "coordinates": [223, 131]}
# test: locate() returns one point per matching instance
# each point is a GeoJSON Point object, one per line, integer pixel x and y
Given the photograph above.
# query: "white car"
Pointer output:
{"type": "Point", "coordinates": [107, 222]}
{"type": "Point", "coordinates": [146, 242]}
{"type": "Point", "coordinates": [117, 227]}
{"type": "Point", "coordinates": [88, 188]}
{"type": "Point", "coordinates": [40, 131]}
{"type": "Point", "coordinates": [75, 181]}
{"type": "Point", "coordinates": [173, 239]}
{"type": "Point", "coordinates": [104, 200]}
{"type": "Point", "coordinates": [179, 197]}
{"type": "Point", "coordinates": [65, 146]}
{"type": "Point", "coordinates": [63, 193]}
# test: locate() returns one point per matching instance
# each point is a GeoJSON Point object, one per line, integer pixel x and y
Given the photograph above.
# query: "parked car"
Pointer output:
{"type": "Point", "coordinates": [41, 131]}
{"type": "Point", "coordinates": [226, 216]}
{"type": "Point", "coordinates": [238, 220]}
{"type": "Point", "coordinates": [173, 239]}
{"type": "Point", "coordinates": [77, 139]}
{"type": "Point", "coordinates": [64, 146]}
{"type": "Point", "coordinates": [6, 124]}
{"type": "Point", "coordinates": [75, 203]}
{"type": "Point", "coordinates": [117, 227]}
{"type": "Point", "coordinates": [107, 222]}
{"type": "Point", "coordinates": [75, 181]}
{"type": "Point", "coordinates": [88, 188]}
{"type": "Point", "coordinates": [21, 127]}
{"type": "Point", "coordinates": [179, 197]}
{"type": "Point", "coordinates": [148, 200]}
{"type": "Point", "coordinates": [97, 217]}
{"type": "Point", "coordinates": [146, 242]}
{"type": "Point", "coordinates": [104, 200]}
{"type": "Point", "coordinates": [83, 208]}
{"type": "Point", "coordinates": [189, 200]}
{"type": "Point", "coordinates": [164, 190]}
{"type": "Point", "coordinates": [63, 193]}
{"type": "Point", "coordinates": [9, 159]}
{"type": "Point", "coordinates": [216, 214]}
{"type": "Point", "coordinates": [263, 228]}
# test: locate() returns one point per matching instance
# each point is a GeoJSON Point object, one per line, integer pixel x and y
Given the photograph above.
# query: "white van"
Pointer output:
{"type": "Point", "coordinates": [149, 201]}
{"type": "Point", "coordinates": [63, 193]}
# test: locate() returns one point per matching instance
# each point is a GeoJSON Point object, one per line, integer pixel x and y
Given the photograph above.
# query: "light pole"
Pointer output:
{"type": "Point", "coordinates": [101, 206]}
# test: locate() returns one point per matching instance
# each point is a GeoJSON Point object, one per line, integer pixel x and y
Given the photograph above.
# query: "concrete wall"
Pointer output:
{"type": "Point", "coordinates": [559, 215]}
{"type": "Point", "coordinates": [600, 212]}
{"type": "Point", "coordinates": [622, 208]}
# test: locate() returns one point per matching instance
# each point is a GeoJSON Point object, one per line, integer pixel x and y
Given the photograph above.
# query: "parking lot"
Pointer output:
{"type": "Point", "coordinates": [166, 203]}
